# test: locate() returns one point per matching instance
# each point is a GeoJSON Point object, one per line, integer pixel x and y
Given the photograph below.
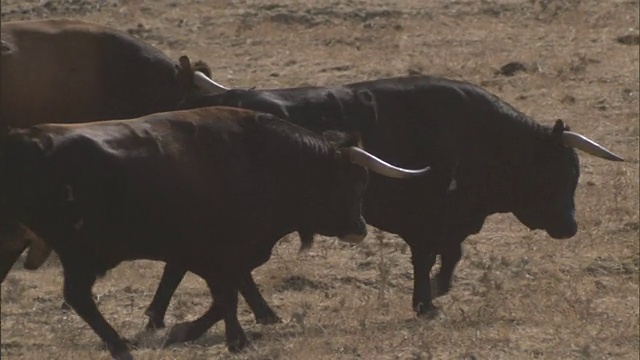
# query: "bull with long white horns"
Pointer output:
{"type": "Point", "coordinates": [486, 158]}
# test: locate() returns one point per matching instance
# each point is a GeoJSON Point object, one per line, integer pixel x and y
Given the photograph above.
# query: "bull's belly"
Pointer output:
{"type": "Point", "coordinates": [402, 210]}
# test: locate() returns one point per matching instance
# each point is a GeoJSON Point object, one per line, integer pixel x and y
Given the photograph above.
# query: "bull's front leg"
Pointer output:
{"type": "Point", "coordinates": [259, 306]}
{"type": "Point", "coordinates": [422, 260]}
{"type": "Point", "coordinates": [78, 281]}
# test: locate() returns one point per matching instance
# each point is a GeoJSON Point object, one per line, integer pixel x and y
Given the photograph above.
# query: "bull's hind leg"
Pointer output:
{"type": "Point", "coordinates": [171, 278]}
{"type": "Point", "coordinates": [259, 306]}
{"type": "Point", "coordinates": [225, 307]}
{"type": "Point", "coordinates": [449, 256]}
{"type": "Point", "coordinates": [236, 339]}
{"type": "Point", "coordinates": [78, 281]}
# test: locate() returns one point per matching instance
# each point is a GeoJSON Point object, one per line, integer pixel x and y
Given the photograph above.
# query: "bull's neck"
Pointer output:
{"type": "Point", "coordinates": [501, 173]}
{"type": "Point", "coordinates": [305, 190]}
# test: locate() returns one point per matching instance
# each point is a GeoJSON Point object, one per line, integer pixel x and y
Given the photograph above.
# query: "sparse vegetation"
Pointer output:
{"type": "Point", "coordinates": [517, 294]}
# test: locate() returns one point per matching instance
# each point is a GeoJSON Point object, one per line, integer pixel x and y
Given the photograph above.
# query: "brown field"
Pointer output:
{"type": "Point", "coordinates": [518, 294]}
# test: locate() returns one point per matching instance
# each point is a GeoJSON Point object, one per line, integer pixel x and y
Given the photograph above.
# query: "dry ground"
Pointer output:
{"type": "Point", "coordinates": [517, 295]}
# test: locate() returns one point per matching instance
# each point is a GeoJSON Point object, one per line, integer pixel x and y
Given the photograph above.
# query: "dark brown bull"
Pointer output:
{"type": "Point", "coordinates": [209, 190]}
{"type": "Point", "coordinates": [486, 157]}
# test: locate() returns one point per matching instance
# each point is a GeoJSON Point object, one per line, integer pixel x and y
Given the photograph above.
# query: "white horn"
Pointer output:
{"type": "Point", "coordinates": [587, 145]}
{"type": "Point", "coordinates": [363, 158]}
{"type": "Point", "coordinates": [206, 84]}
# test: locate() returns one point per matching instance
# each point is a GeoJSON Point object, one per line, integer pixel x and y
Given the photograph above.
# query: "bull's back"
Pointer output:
{"type": "Point", "coordinates": [70, 71]}
{"type": "Point", "coordinates": [191, 148]}
{"type": "Point", "coordinates": [162, 170]}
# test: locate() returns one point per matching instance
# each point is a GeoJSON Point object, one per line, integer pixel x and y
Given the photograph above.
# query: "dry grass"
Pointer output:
{"type": "Point", "coordinates": [517, 294]}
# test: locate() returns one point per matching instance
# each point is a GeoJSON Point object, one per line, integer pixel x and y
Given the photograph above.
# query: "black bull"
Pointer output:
{"type": "Point", "coordinates": [209, 190]}
{"type": "Point", "coordinates": [486, 158]}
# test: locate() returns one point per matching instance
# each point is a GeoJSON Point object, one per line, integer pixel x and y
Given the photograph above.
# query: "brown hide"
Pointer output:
{"type": "Point", "coordinates": [71, 71]}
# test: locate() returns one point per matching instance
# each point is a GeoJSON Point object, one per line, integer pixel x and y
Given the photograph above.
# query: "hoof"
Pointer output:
{"type": "Point", "coordinates": [237, 345]}
{"type": "Point", "coordinates": [155, 322]}
{"type": "Point", "coordinates": [122, 355]}
{"type": "Point", "coordinates": [182, 332]}
{"type": "Point", "coordinates": [178, 334]}
{"type": "Point", "coordinates": [269, 319]}
{"type": "Point", "coordinates": [155, 325]}
{"type": "Point", "coordinates": [128, 344]}
{"type": "Point", "coordinates": [426, 312]}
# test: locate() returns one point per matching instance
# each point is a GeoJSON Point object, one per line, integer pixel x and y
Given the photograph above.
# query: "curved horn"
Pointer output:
{"type": "Point", "coordinates": [204, 83]}
{"type": "Point", "coordinates": [581, 142]}
{"type": "Point", "coordinates": [363, 158]}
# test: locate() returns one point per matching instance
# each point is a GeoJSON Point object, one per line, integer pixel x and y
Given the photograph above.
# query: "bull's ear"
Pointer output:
{"type": "Point", "coordinates": [184, 73]}
{"type": "Point", "coordinates": [339, 139]}
{"type": "Point", "coordinates": [185, 63]}
{"type": "Point", "coordinates": [559, 127]}
{"type": "Point", "coordinates": [367, 118]}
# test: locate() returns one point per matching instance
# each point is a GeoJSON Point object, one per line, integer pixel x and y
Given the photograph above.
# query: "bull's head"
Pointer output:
{"type": "Point", "coordinates": [553, 183]}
